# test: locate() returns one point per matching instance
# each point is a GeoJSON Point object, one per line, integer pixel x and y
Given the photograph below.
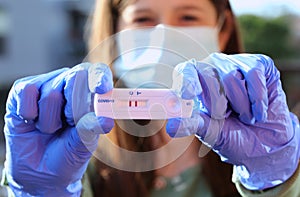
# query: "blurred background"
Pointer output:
{"type": "Point", "coordinates": [37, 36]}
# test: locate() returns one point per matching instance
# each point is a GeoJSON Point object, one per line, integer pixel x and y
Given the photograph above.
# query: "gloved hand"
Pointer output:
{"type": "Point", "coordinates": [254, 130]}
{"type": "Point", "coordinates": [51, 131]}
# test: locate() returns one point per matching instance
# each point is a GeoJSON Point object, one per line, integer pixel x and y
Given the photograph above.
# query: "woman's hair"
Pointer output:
{"type": "Point", "coordinates": [104, 20]}
{"type": "Point", "coordinates": [112, 182]}
{"type": "Point", "coordinates": [234, 44]}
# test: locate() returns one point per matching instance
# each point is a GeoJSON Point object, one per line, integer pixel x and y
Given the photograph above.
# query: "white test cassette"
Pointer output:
{"type": "Point", "coordinates": [121, 103]}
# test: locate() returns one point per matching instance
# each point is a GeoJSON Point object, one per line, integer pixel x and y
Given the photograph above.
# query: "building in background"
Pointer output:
{"type": "Point", "coordinates": [40, 35]}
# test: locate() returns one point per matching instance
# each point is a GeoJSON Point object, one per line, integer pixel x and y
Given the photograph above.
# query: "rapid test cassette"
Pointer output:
{"type": "Point", "coordinates": [122, 103]}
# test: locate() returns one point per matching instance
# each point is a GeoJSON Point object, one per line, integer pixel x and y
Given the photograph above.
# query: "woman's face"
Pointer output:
{"type": "Point", "coordinates": [168, 12]}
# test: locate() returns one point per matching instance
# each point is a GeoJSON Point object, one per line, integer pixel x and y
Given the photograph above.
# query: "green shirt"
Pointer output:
{"type": "Point", "coordinates": [187, 184]}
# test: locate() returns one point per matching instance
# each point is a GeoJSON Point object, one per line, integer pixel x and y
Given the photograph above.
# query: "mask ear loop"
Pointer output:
{"type": "Point", "coordinates": [220, 22]}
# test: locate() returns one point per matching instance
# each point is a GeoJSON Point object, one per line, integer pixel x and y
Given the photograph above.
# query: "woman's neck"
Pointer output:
{"type": "Point", "coordinates": [185, 158]}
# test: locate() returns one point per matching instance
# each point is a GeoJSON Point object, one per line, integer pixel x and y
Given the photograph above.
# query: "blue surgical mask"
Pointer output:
{"type": "Point", "coordinates": [146, 57]}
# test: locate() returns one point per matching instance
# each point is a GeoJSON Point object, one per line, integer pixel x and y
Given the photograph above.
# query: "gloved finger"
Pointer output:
{"type": "Point", "coordinates": [182, 127]}
{"type": "Point", "coordinates": [51, 104]}
{"type": "Point", "coordinates": [76, 92]}
{"type": "Point", "coordinates": [90, 126]}
{"type": "Point", "coordinates": [198, 79]}
{"type": "Point", "coordinates": [255, 77]}
{"type": "Point", "coordinates": [213, 96]}
{"type": "Point", "coordinates": [84, 80]}
{"type": "Point", "coordinates": [88, 129]}
{"type": "Point", "coordinates": [26, 93]}
{"type": "Point", "coordinates": [236, 91]}
{"type": "Point", "coordinates": [205, 128]}
{"type": "Point", "coordinates": [258, 93]}
{"type": "Point", "coordinates": [100, 81]}
{"type": "Point", "coordinates": [100, 78]}
{"type": "Point", "coordinates": [186, 81]}
{"type": "Point", "coordinates": [22, 103]}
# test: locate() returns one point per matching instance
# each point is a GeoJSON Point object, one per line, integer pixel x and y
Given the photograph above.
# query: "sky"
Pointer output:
{"type": "Point", "coordinates": [265, 7]}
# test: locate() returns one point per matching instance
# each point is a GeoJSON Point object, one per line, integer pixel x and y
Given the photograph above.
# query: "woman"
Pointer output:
{"type": "Point", "coordinates": [47, 154]}
{"type": "Point", "coordinates": [113, 16]}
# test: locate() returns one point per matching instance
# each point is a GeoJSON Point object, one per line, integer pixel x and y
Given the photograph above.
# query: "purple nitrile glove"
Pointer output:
{"type": "Point", "coordinates": [254, 130]}
{"type": "Point", "coordinates": [51, 131]}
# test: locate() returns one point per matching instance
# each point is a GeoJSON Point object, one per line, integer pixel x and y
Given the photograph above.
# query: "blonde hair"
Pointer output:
{"type": "Point", "coordinates": [104, 21]}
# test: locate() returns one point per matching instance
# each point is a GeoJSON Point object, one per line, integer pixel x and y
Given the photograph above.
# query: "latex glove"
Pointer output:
{"type": "Point", "coordinates": [46, 152]}
{"type": "Point", "coordinates": [265, 151]}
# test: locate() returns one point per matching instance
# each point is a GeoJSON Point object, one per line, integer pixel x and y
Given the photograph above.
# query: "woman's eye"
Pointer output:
{"type": "Point", "coordinates": [142, 20]}
{"type": "Point", "coordinates": [189, 18]}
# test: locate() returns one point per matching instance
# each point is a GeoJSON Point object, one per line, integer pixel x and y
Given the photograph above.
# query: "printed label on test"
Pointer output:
{"type": "Point", "coordinates": [142, 104]}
